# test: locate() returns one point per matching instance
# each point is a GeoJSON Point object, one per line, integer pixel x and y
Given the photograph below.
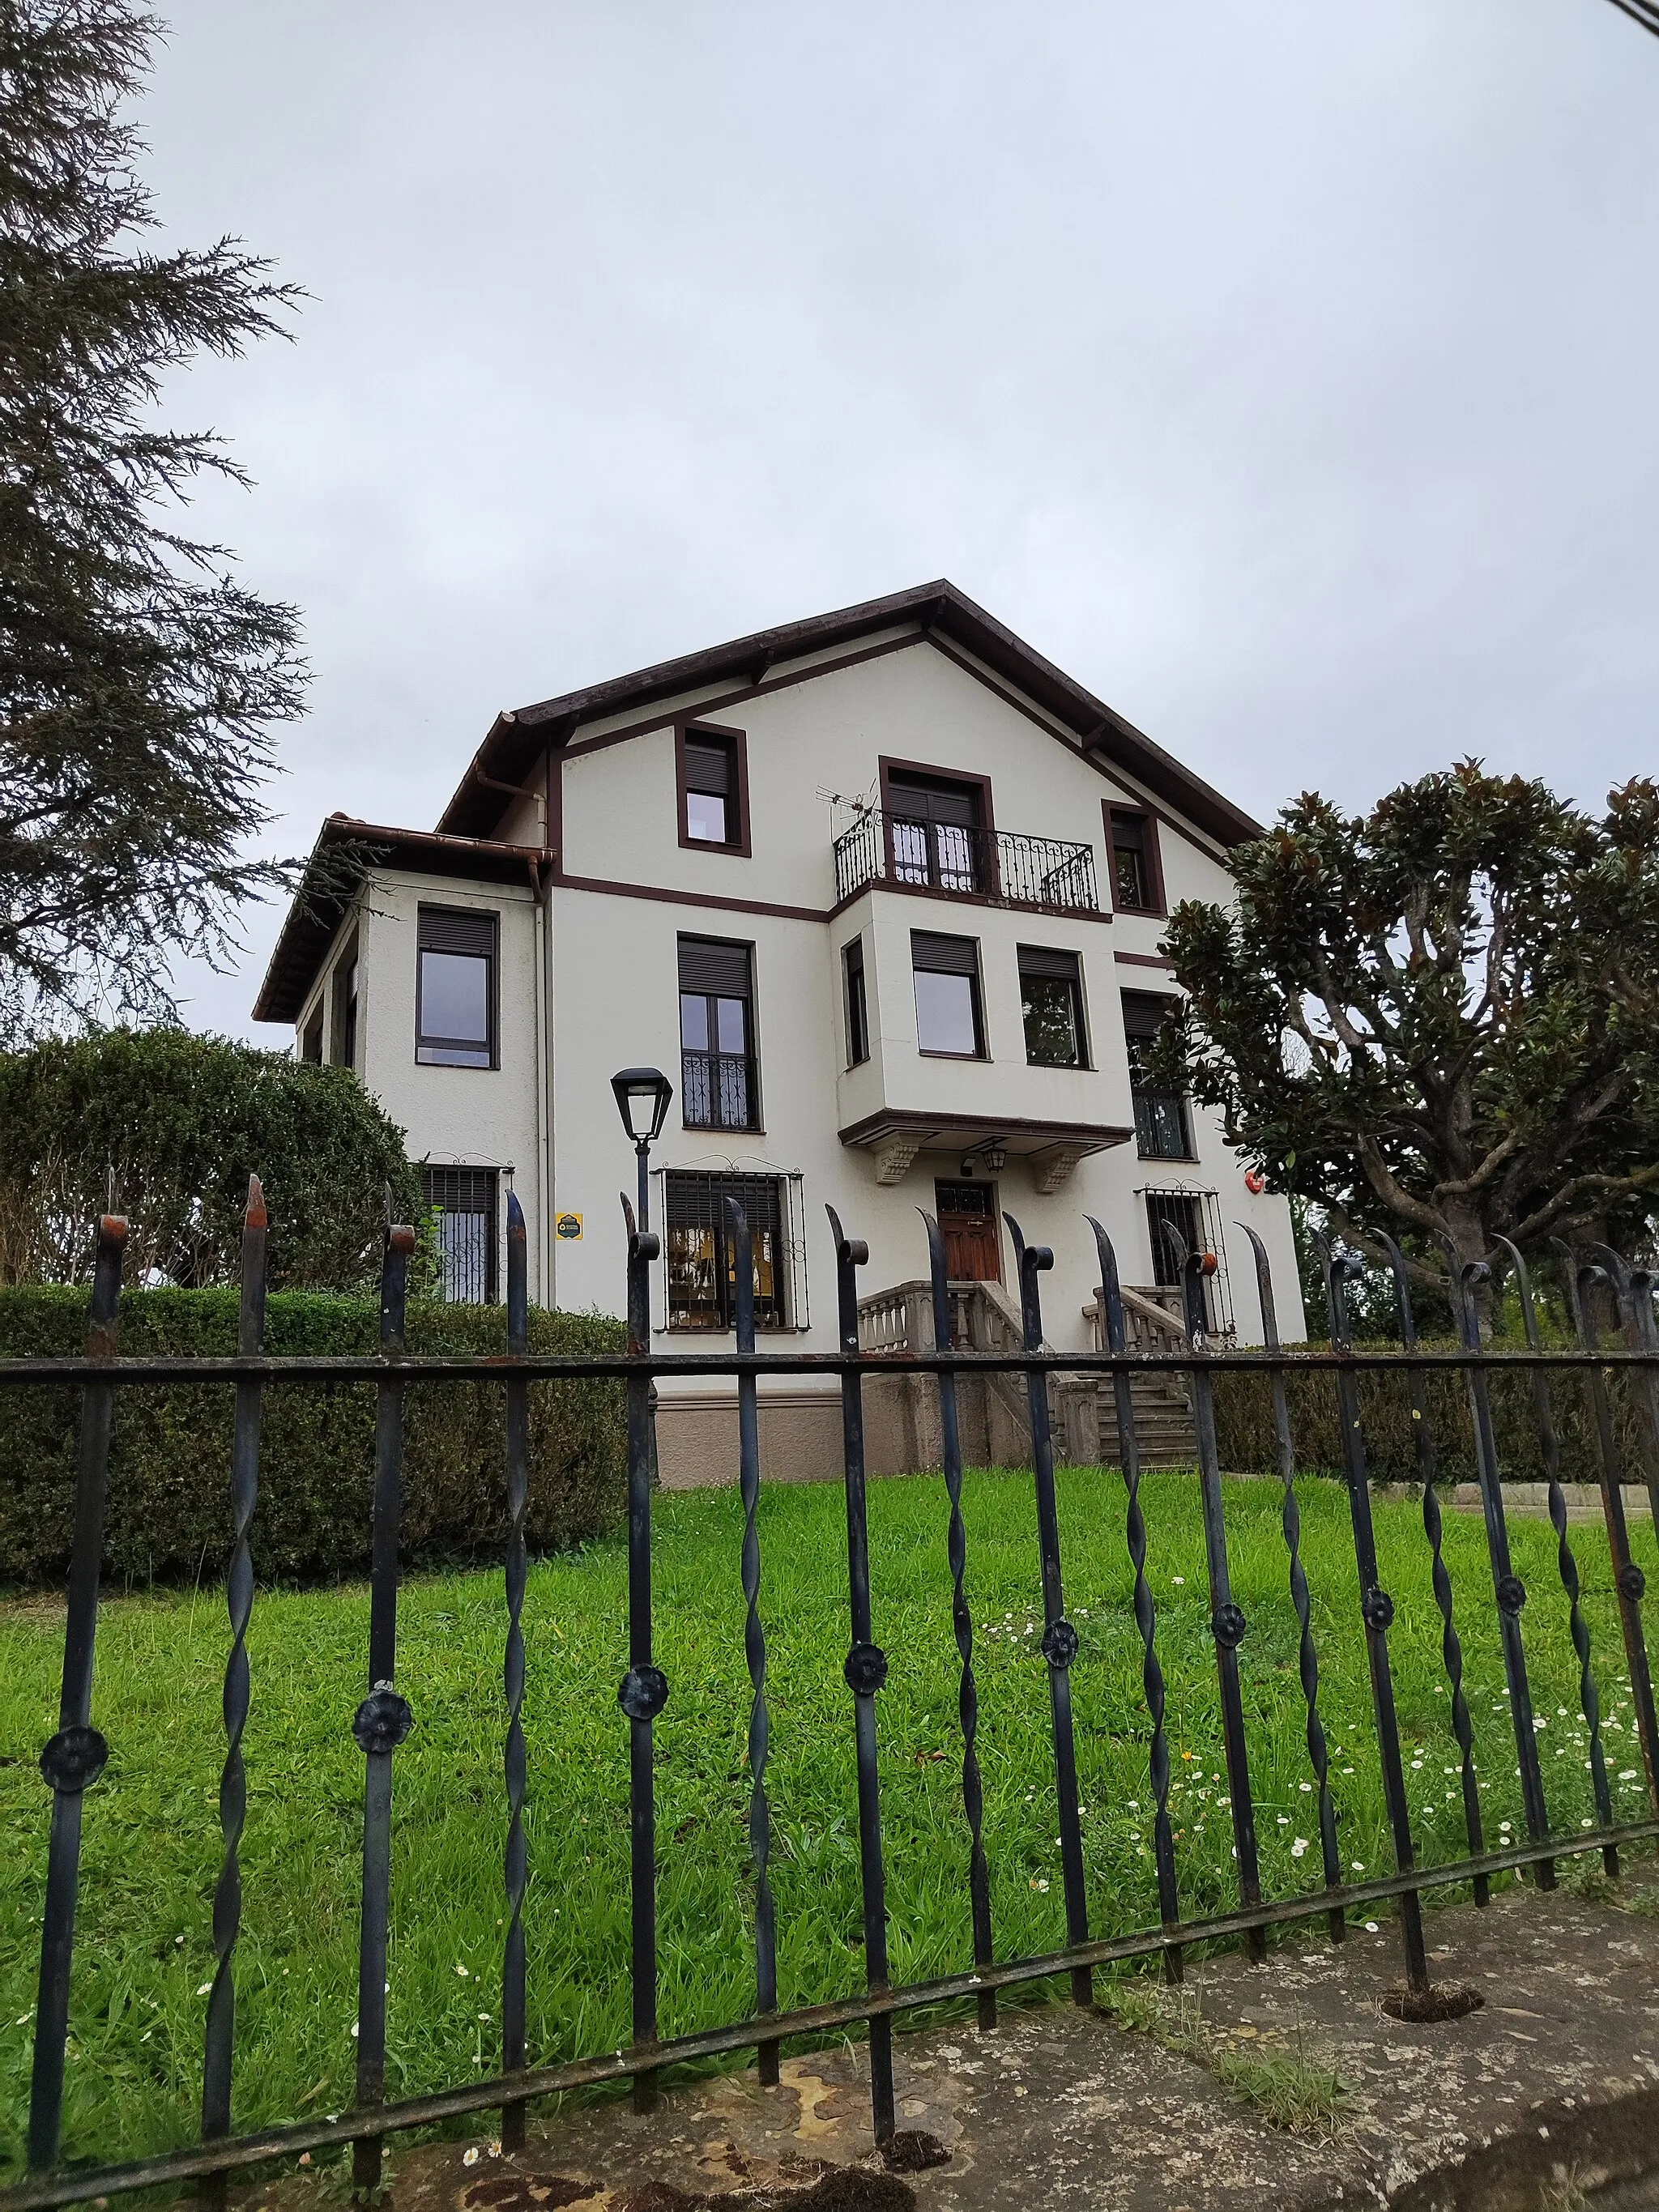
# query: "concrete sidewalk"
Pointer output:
{"type": "Point", "coordinates": [1548, 2095]}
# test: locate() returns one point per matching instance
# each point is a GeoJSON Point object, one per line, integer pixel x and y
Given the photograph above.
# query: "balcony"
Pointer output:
{"type": "Point", "coordinates": [1045, 873]}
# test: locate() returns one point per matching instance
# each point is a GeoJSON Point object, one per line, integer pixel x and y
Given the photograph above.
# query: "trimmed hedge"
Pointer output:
{"type": "Point", "coordinates": [168, 1514]}
{"type": "Point", "coordinates": [1245, 1440]}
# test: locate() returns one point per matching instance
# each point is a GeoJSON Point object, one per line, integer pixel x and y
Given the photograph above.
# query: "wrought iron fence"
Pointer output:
{"type": "Point", "coordinates": [1051, 873]}
{"type": "Point", "coordinates": [75, 1755]}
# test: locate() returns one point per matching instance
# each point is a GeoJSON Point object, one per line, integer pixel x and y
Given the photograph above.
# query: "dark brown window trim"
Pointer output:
{"type": "Point", "coordinates": [1144, 960]}
{"type": "Point", "coordinates": [493, 1066]}
{"type": "Point", "coordinates": [981, 1059]}
{"type": "Point", "coordinates": [698, 724]}
{"type": "Point", "coordinates": [1153, 854]}
{"type": "Point", "coordinates": [889, 767]}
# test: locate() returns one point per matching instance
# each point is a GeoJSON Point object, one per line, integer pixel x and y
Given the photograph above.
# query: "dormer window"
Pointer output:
{"type": "Point", "coordinates": [713, 789]}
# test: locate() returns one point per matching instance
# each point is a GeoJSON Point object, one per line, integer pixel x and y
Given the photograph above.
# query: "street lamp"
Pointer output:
{"type": "Point", "coordinates": [643, 1096]}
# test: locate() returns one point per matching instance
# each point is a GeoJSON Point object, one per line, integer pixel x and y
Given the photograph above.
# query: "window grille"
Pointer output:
{"type": "Point", "coordinates": [1196, 1216]}
{"type": "Point", "coordinates": [698, 1273]}
{"type": "Point", "coordinates": [465, 1204]}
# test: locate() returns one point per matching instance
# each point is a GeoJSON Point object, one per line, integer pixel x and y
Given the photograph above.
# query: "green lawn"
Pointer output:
{"type": "Point", "coordinates": [151, 1852]}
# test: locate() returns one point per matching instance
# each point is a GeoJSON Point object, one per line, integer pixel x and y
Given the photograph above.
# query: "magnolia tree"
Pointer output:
{"type": "Point", "coordinates": [1440, 1018]}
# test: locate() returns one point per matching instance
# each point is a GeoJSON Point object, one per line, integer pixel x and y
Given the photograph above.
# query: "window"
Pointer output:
{"type": "Point", "coordinates": [455, 989]}
{"type": "Point", "coordinates": [718, 1085]}
{"type": "Point", "coordinates": [464, 1204]}
{"type": "Point", "coordinates": [1196, 1217]}
{"type": "Point", "coordinates": [1137, 875]}
{"type": "Point", "coordinates": [1163, 1125]}
{"type": "Point", "coordinates": [948, 1017]}
{"type": "Point", "coordinates": [311, 1036]}
{"type": "Point", "coordinates": [701, 1274]}
{"type": "Point", "coordinates": [855, 1003]}
{"type": "Point", "coordinates": [937, 828]}
{"type": "Point", "coordinates": [714, 788]}
{"type": "Point", "coordinates": [343, 1037]}
{"type": "Point", "coordinates": [1051, 1003]}
{"type": "Point", "coordinates": [1177, 1211]}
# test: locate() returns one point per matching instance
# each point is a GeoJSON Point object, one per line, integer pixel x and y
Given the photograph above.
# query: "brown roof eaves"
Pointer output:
{"type": "Point", "coordinates": [344, 852]}
{"type": "Point", "coordinates": [510, 749]}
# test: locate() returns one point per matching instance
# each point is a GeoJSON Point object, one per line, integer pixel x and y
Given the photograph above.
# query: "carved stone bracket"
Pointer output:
{"type": "Point", "coordinates": [1054, 1168]}
{"type": "Point", "coordinates": [893, 1160]}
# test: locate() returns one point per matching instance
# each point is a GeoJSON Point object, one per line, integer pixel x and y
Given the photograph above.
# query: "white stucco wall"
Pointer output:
{"type": "Point", "coordinates": [611, 997]}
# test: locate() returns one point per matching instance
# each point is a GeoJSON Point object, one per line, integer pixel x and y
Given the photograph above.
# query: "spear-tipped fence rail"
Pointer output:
{"type": "Point", "coordinates": [72, 1761]}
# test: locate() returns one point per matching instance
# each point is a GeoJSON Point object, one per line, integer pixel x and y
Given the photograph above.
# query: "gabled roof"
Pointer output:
{"type": "Point", "coordinates": [344, 852]}
{"type": "Point", "coordinates": [509, 751]}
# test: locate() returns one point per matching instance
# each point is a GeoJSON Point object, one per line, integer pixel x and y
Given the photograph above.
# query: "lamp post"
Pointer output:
{"type": "Point", "coordinates": [643, 1096]}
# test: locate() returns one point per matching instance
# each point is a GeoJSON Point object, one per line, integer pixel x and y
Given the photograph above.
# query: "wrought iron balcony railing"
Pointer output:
{"type": "Point", "coordinates": [1048, 872]}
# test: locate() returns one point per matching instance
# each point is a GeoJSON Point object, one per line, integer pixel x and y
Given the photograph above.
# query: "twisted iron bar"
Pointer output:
{"type": "Point", "coordinates": [1376, 1609]}
{"type": "Point", "coordinates": [1628, 1581]}
{"type": "Point", "coordinates": [865, 1672]}
{"type": "Point", "coordinates": [1227, 1621]}
{"type": "Point", "coordinates": [238, 1599]}
{"type": "Point", "coordinates": [1434, 1528]}
{"type": "Point", "coordinates": [1544, 1414]}
{"type": "Point", "coordinates": [1151, 1673]}
{"type": "Point", "coordinates": [1633, 1289]}
{"type": "Point", "coordinates": [74, 1758]}
{"type": "Point", "coordinates": [956, 1545]}
{"type": "Point", "coordinates": [1060, 1638]}
{"type": "Point", "coordinates": [515, 1868]}
{"type": "Point", "coordinates": [754, 1640]}
{"type": "Point", "coordinates": [1306, 1650]}
{"type": "Point", "coordinates": [1509, 1591]}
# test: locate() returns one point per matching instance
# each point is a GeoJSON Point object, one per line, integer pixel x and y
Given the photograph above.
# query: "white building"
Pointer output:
{"type": "Point", "coordinates": [882, 892]}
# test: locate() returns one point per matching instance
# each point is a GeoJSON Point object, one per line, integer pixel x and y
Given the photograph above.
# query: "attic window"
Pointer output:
{"type": "Point", "coordinates": [713, 789]}
{"type": "Point", "coordinates": [1137, 876]}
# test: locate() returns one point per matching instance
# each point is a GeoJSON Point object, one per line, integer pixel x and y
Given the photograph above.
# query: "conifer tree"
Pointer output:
{"type": "Point", "coordinates": [139, 681]}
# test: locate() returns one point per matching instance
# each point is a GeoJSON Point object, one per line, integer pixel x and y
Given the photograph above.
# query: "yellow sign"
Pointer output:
{"type": "Point", "coordinates": [568, 1227]}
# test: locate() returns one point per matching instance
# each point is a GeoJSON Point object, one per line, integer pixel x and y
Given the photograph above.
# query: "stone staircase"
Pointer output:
{"type": "Point", "coordinates": [901, 1411]}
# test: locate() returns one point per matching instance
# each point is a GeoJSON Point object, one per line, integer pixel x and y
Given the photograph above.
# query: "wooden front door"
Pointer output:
{"type": "Point", "coordinates": [968, 1222]}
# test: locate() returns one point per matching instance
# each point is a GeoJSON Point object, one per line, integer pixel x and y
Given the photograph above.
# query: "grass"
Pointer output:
{"type": "Point", "coordinates": [1285, 2087]}
{"type": "Point", "coordinates": [151, 1852]}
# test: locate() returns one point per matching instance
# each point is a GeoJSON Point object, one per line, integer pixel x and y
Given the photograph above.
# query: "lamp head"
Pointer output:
{"type": "Point", "coordinates": [643, 1096]}
{"type": "Point", "coordinates": [995, 1157]}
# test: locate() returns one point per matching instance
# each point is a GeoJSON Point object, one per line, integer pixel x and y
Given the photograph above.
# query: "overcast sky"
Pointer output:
{"type": "Point", "coordinates": [1283, 370]}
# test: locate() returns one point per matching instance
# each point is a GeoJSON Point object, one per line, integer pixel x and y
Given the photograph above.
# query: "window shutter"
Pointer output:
{"type": "Point", "coordinates": [943, 956]}
{"type": "Point", "coordinates": [1145, 1013]}
{"type": "Point", "coordinates": [1042, 960]}
{"type": "Point", "coordinates": [451, 929]}
{"type": "Point", "coordinates": [1128, 831]}
{"type": "Point", "coordinates": [708, 766]}
{"type": "Point", "coordinates": [719, 970]}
